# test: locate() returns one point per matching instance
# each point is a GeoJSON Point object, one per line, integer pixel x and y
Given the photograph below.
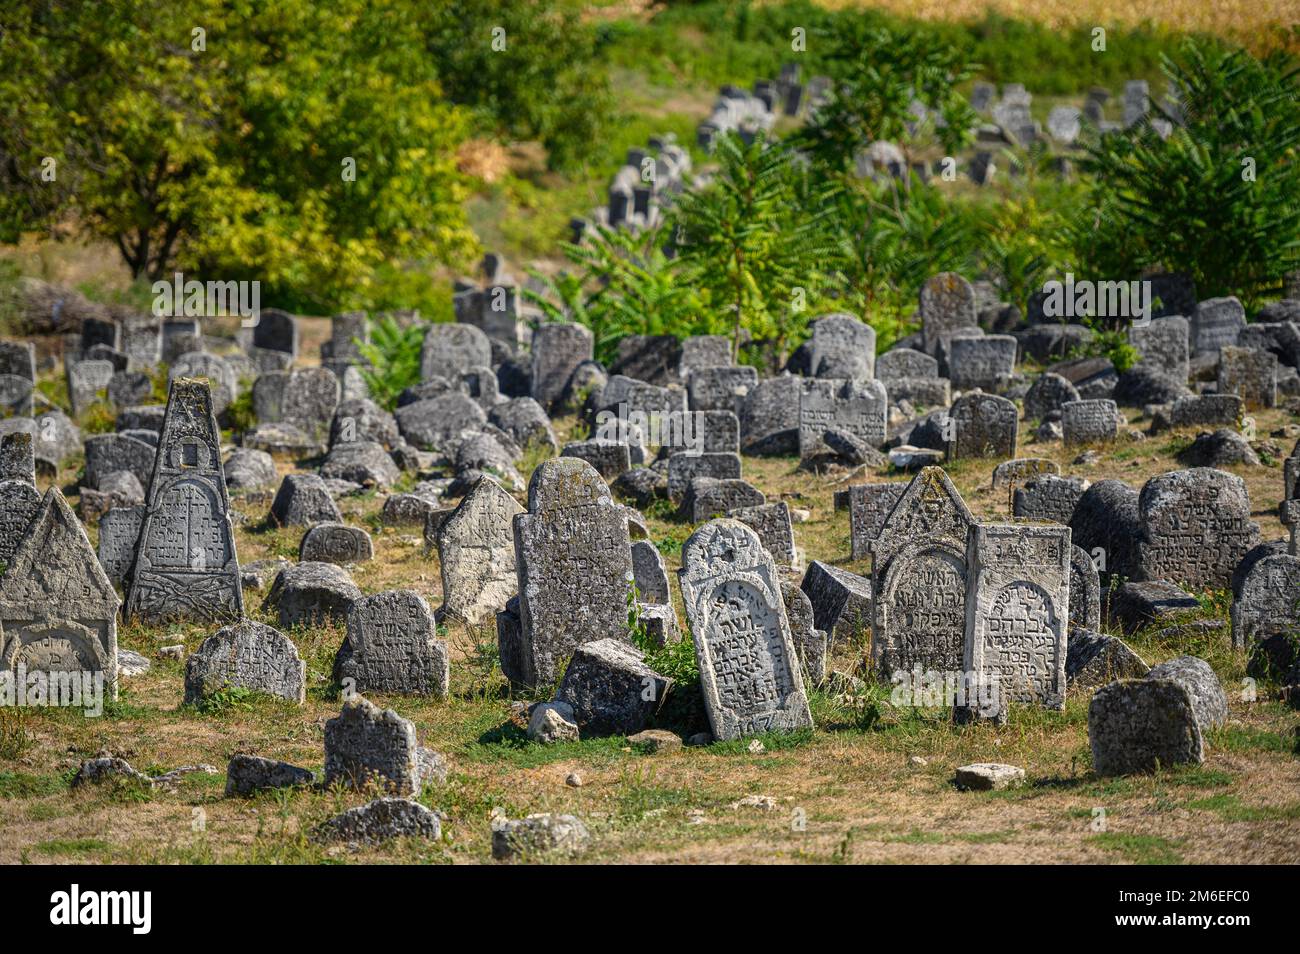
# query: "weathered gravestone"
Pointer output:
{"type": "Point", "coordinates": [119, 532]}
{"type": "Point", "coordinates": [309, 400]}
{"type": "Point", "coordinates": [649, 573]}
{"type": "Point", "coordinates": [246, 655]}
{"type": "Point", "coordinates": [450, 348]}
{"type": "Point", "coordinates": [869, 507]}
{"type": "Point", "coordinates": [1195, 527]}
{"type": "Point", "coordinates": [335, 543]}
{"type": "Point", "coordinates": [1163, 344]}
{"type": "Point", "coordinates": [19, 504]}
{"type": "Point", "coordinates": [704, 351]}
{"type": "Point", "coordinates": [1105, 523]}
{"type": "Point", "coordinates": [982, 425]}
{"type": "Point", "coordinates": [685, 467]}
{"type": "Point", "coordinates": [857, 408]}
{"type": "Point", "coordinates": [109, 453]}
{"type": "Point", "coordinates": [1269, 602]}
{"type": "Point", "coordinates": [367, 745]}
{"type": "Point", "coordinates": [222, 382]}
{"type": "Point", "coordinates": [749, 668]}
{"type": "Point", "coordinates": [276, 331]}
{"type": "Point", "coordinates": [58, 611]}
{"type": "Point", "coordinates": [810, 642]}
{"type": "Point", "coordinates": [984, 362]}
{"type": "Point", "coordinates": [841, 601]}
{"type": "Point", "coordinates": [392, 646]}
{"type": "Point", "coordinates": [708, 497]}
{"type": "Point", "coordinates": [947, 304]}
{"type": "Point", "coordinates": [436, 422]}
{"type": "Point", "coordinates": [302, 501]}
{"type": "Point", "coordinates": [1087, 422]}
{"type": "Point", "coordinates": [186, 567]}
{"type": "Point", "coordinates": [1048, 394]}
{"type": "Point", "coordinates": [476, 553]}
{"type": "Point", "coordinates": [558, 348]}
{"type": "Point", "coordinates": [1093, 659]}
{"type": "Point", "coordinates": [1139, 725]}
{"type": "Point", "coordinates": [771, 521]}
{"type": "Point", "coordinates": [900, 363]}
{"type": "Point", "coordinates": [85, 380]}
{"type": "Point", "coordinates": [1216, 322]}
{"type": "Point", "coordinates": [720, 389]}
{"type": "Point", "coordinates": [1085, 590]}
{"type": "Point", "coordinates": [1250, 374]}
{"type": "Point", "coordinates": [842, 346]}
{"type": "Point", "coordinates": [919, 578]}
{"type": "Point", "coordinates": [574, 568]}
{"type": "Point", "coordinates": [18, 457]}
{"type": "Point", "coordinates": [1017, 612]}
{"type": "Point", "coordinates": [769, 417]}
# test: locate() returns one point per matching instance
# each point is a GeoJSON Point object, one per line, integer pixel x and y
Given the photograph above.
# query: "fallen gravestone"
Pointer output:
{"type": "Point", "coordinates": [1093, 659]}
{"type": "Point", "coordinates": [610, 688]}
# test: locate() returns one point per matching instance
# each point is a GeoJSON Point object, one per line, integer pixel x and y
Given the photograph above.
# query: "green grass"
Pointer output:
{"type": "Point", "coordinates": [1230, 808]}
{"type": "Point", "coordinates": [72, 847]}
{"type": "Point", "coordinates": [1140, 849]}
{"type": "Point", "coordinates": [25, 785]}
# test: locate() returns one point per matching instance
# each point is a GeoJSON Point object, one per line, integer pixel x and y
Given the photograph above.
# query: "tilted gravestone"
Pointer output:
{"type": "Point", "coordinates": [749, 668]}
{"type": "Point", "coordinates": [119, 532]}
{"type": "Point", "coordinates": [947, 304]}
{"type": "Point", "coordinates": [842, 346]}
{"type": "Point", "coordinates": [1250, 374]}
{"type": "Point", "coordinates": [574, 568]}
{"type": "Point", "coordinates": [19, 504]}
{"type": "Point", "coordinates": [450, 348]}
{"type": "Point", "coordinates": [841, 601]}
{"type": "Point", "coordinates": [186, 567]}
{"type": "Point", "coordinates": [1017, 612]}
{"type": "Point", "coordinates": [982, 425]}
{"type": "Point", "coordinates": [246, 655]}
{"type": "Point", "coordinates": [1269, 602]}
{"type": "Point", "coordinates": [1088, 422]}
{"type": "Point", "coordinates": [1139, 725]}
{"type": "Point", "coordinates": [58, 611]}
{"type": "Point", "coordinates": [857, 408]}
{"type": "Point", "coordinates": [1216, 322]}
{"type": "Point", "coordinates": [335, 543]}
{"type": "Point", "coordinates": [392, 646]}
{"type": "Point", "coordinates": [919, 578]}
{"type": "Point", "coordinates": [869, 507]}
{"type": "Point", "coordinates": [1194, 527]}
{"type": "Point", "coordinates": [649, 573]}
{"type": "Point", "coordinates": [476, 553]}
{"type": "Point", "coordinates": [1048, 394]}
{"type": "Point", "coordinates": [1085, 590]}
{"type": "Point", "coordinates": [708, 497]}
{"type": "Point", "coordinates": [558, 348]}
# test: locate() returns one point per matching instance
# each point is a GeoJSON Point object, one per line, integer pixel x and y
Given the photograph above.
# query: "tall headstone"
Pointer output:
{"type": "Point", "coordinates": [842, 346]}
{"type": "Point", "coordinates": [1250, 374]}
{"type": "Point", "coordinates": [1216, 322]}
{"type": "Point", "coordinates": [1017, 611]}
{"type": "Point", "coordinates": [749, 666]}
{"type": "Point", "coordinates": [574, 562]}
{"type": "Point", "coordinates": [1085, 591]}
{"type": "Point", "coordinates": [476, 553]}
{"type": "Point", "coordinates": [186, 567]}
{"type": "Point", "coordinates": [58, 611]}
{"type": "Point", "coordinates": [450, 348]}
{"type": "Point", "coordinates": [558, 348]}
{"type": "Point", "coordinates": [919, 578]}
{"type": "Point", "coordinates": [947, 305]}
{"type": "Point", "coordinates": [858, 408]}
{"type": "Point", "coordinates": [1163, 344]}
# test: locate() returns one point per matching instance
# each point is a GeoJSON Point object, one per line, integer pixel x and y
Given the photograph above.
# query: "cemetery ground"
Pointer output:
{"type": "Point", "coordinates": [872, 782]}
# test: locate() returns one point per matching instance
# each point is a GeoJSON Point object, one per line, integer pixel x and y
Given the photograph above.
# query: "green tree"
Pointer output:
{"type": "Point", "coordinates": [1218, 198]}
{"type": "Point", "coordinates": [229, 151]}
{"type": "Point", "coordinates": [527, 68]}
{"type": "Point", "coordinates": [753, 238]}
{"type": "Point", "coordinates": [392, 358]}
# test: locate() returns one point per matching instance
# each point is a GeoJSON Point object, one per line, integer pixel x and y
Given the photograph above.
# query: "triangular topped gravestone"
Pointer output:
{"type": "Point", "coordinates": [749, 667]}
{"type": "Point", "coordinates": [57, 608]}
{"type": "Point", "coordinates": [574, 566]}
{"type": "Point", "coordinates": [185, 566]}
{"type": "Point", "coordinates": [919, 578]}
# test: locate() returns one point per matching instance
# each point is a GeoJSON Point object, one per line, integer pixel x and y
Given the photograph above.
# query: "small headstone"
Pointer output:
{"type": "Point", "coordinates": [771, 521]}
{"type": "Point", "coordinates": [769, 417]}
{"type": "Point", "coordinates": [708, 497]}
{"type": "Point", "coordinates": [869, 507]}
{"type": "Point", "coordinates": [1249, 374]}
{"type": "Point", "coordinates": [841, 601]}
{"type": "Point", "coordinates": [335, 543]}
{"type": "Point", "coordinates": [1195, 675]}
{"type": "Point", "coordinates": [1216, 322]}
{"type": "Point", "coordinates": [1093, 659]}
{"type": "Point", "coordinates": [842, 346]}
{"type": "Point", "coordinates": [276, 331]}
{"type": "Point", "coordinates": [720, 389]}
{"type": "Point", "coordinates": [1085, 590]}
{"type": "Point", "coordinates": [857, 408]}
{"type": "Point", "coordinates": [250, 774]}
{"type": "Point", "coordinates": [649, 572]}
{"type": "Point", "coordinates": [367, 745]}
{"type": "Point", "coordinates": [685, 467]}
{"type": "Point", "coordinates": [1088, 422]}
{"type": "Point", "coordinates": [380, 821]}
{"type": "Point", "coordinates": [984, 362]}
{"type": "Point", "coordinates": [905, 363]}
{"type": "Point", "coordinates": [983, 425]}
{"type": "Point", "coordinates": [810, 642]}
{"type": "Point", "coordinates": [1139, 725]}
{"type": "Point", "coordinates": [1163, 344]}
{"type": "Point", "coordinates": [303, 501]}
{"type": "Point", "coordinates": [610, 688]}
{"type": "Point", "coordinates": [86, 379]}
{"type": "Point", "coordinates": [246, 655]}
{"type": "Point", "coordinates": [311, 594]}
{"type": "Point", "coordinates": [749, 670]}
{"type": "Point", "coordinates": [391, 646]}
{"type": "Point", "coordinates": [1268, 602]}
{"type": "Point", "coordinates": [450, 348]}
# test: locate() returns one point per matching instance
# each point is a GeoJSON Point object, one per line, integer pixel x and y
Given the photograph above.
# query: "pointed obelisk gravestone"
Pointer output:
{"type": "Point", "coordinates": [185, 566]}
{"type": "Point", "coordinates": [749, 667]}
{"type": "Point", "coordinates": [57, 608]}
{"type": "Point", "coordinates": [919, 578]}
{"type": "Point", "coordinates": [1017, 614]}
